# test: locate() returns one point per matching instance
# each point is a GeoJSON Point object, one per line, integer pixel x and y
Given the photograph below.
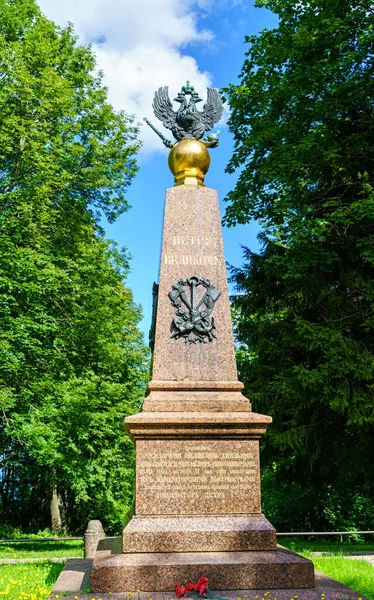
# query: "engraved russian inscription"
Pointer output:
{"type": "Point", "coordinates": [191, 260]}
{"type": "Point", "coordinates": [198, 476]}
{"type": "Point", "coordinates": [192, 240]}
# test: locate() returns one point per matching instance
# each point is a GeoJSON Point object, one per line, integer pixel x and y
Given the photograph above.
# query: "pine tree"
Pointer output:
{"type": "Point", "coordinates": [302, 119]}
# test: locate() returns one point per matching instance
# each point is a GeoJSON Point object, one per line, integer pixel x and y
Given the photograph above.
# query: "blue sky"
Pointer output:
{"type": "Point", "coordinates": [141, 46]}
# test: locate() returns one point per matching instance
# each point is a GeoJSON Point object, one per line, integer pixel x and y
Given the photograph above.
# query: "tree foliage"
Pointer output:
{"type": "Point", "coordinates": [72, 361]}
{"type": "Point", "coordinates": [302, 119]}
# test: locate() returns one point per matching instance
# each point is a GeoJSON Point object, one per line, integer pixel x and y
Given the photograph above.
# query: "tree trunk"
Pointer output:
{"type": "Point", "coordinates": [55, 510]}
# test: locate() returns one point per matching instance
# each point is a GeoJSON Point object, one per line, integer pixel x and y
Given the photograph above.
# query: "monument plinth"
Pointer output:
{"type": "Point", "coordinates": [198, 504]}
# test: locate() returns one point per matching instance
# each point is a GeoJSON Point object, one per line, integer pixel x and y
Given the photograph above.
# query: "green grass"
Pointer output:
{"type": "Point", "coordinates": [42, 549]}
{"type": "Point", "coordinates": [28, 582]}
{"type": "Point", "coordinates": [356, 574]}
{"type": "Point", "coordinates": [334, 547]}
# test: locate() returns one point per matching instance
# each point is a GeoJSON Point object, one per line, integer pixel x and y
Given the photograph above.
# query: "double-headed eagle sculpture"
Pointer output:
{"type": "Point", "coordinates": [187, 122]}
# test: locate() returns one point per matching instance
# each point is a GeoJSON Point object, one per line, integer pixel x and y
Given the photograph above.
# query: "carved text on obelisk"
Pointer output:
{"type": "Point", "coordinates": [197, 477]}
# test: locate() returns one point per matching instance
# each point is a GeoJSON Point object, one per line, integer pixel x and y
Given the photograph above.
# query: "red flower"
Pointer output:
{"type": "Point", "coordinates": [201, 586]}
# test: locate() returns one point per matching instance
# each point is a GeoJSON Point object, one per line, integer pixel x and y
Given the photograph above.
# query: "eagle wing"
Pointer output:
{"type": "Point", "coordinates": [163, 108]}
{"type": "Point", "coordinates": [213, 109]}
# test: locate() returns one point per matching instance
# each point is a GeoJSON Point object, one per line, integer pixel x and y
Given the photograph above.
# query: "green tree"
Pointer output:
{"type": "Point", "coordinates": [302, 119]}
{"type": "Point", "coordinates": [72, 361]}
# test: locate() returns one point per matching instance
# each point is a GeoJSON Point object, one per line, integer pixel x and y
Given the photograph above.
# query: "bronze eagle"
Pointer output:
{"type": "Point", "coordinates": [187, 122]}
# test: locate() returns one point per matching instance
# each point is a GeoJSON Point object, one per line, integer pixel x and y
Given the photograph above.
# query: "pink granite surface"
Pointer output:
{"type": "Point", "coordinates": [191, 385]}
{"type": "Point", "coordinates": [75, 578]}
{"type": "Point", "coordinates": [163, 571]}
{"type": "Point", "coordinates": [197, 477]}
{"type": "Point", "coordinates": [197, 442]}
{"type": "Point", "coordinates": [192, 246]}
{"type": "Point", "coordinates": [166, 396]}
{"type": "Point", "coordinates": [179, 425]}
{"type": "Point", "coordinates": [199, 534]}
{"type": "Point", "coordinates": [195, 400]}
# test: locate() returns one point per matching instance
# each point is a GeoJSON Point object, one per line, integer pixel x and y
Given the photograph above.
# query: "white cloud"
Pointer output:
{"type": "Point", "coordinates": [139, 46]}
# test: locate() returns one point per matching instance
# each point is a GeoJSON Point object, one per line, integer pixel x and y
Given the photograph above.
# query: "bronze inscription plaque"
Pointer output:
{"type": "Point", "coordinates": [197, 477]}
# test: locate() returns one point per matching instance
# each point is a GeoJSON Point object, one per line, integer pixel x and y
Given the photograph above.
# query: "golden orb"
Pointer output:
{"type": "Point", "coordinates": [189, 162]}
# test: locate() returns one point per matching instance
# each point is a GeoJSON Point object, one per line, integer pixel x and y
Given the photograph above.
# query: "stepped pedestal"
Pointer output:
{"type": "Point", "coordinates": [198, 502]}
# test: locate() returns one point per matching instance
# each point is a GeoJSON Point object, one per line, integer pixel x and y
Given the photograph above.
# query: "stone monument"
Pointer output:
{"type": "Point", "coordinates": [198, 506]}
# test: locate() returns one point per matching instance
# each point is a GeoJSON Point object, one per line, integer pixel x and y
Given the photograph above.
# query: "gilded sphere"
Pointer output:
{"type": "Point", "coordinates": [189, 161]}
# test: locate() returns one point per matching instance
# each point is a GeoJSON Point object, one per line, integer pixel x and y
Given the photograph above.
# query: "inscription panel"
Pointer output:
{"type": "Point", "coordinates": [191, 250]}
{"type": "Point", "coordinates": [197, 477]}
{"type": "Point", "coordinates": [192, 240]}
{"type": "Point", "coordinates": [192, 260]}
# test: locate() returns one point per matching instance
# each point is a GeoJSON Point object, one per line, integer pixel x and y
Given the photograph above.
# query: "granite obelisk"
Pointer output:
{"type": "Point", "coordinates": [198, 505]}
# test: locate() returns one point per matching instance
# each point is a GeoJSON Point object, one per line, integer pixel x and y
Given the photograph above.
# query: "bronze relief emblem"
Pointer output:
{"type": "Point", "coordinates": [194, 298]}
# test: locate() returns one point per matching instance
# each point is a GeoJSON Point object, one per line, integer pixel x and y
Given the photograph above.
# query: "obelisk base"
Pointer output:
{"type": "Point", "coordinates": [170, 533]}
{"type": "Point", "coordinates": [114, 571]}
{"type": "Point", "coordinates": [198, 510]}
{"type": "Point", "coordinates": [197, 463]}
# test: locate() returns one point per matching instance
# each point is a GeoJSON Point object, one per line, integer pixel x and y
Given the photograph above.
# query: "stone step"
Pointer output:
{"type": "Point", "coordinates": [164, 571]}
{"type": "Point", "coordinates": [198, 534]}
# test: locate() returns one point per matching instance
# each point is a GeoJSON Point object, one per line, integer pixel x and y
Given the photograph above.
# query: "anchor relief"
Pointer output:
{"type": "Point", "coordinates": [192, 319]}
